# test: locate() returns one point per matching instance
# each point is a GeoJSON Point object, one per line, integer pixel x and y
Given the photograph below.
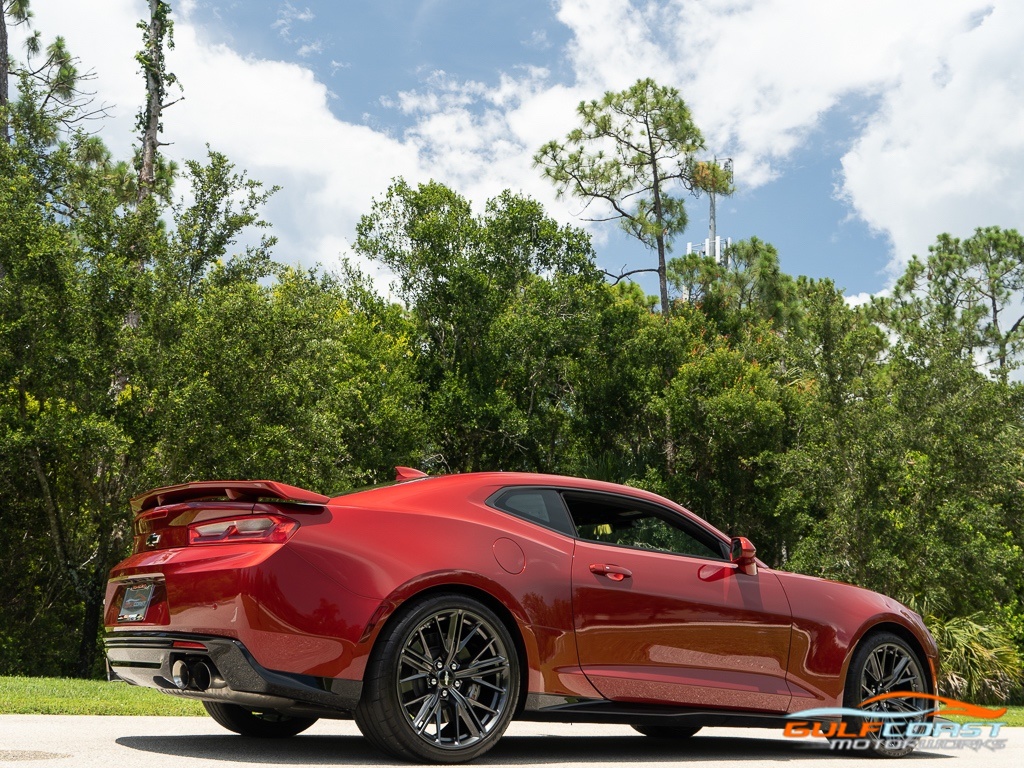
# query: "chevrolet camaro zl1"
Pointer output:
{"type": "Point", "coordinates": [436, 609]}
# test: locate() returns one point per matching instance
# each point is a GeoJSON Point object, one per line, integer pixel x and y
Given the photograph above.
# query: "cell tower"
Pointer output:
{"type": "Point", "coordinates": [714, 245]}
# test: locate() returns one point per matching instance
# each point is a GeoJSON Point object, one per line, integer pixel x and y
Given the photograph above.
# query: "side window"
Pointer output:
{"type": "Point", "coordinates": [538, 505]}
{"type": "Point", "coordinates": [627, 523]}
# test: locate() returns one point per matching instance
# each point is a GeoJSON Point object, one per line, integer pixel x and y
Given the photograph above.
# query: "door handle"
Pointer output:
{"type": "Point", "coordinates": [613, 572]}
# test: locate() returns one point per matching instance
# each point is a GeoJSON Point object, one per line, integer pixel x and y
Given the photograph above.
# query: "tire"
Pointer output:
{"type": "Point", "coordinates": [675, 732]}
{"type": "Point", "coordinates": [885, 663]}
{"type": "Point", "coordinates": [265, 724]}
{"type": "Point", "coordinates": [415, 710]}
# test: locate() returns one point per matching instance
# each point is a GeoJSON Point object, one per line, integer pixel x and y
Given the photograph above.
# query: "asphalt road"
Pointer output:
{"type": "Point", "coordinates": [154, 742]}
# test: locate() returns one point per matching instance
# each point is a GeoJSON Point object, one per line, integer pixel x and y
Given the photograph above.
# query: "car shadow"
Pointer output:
{"type": "Point", "coordinates": [511, 750]}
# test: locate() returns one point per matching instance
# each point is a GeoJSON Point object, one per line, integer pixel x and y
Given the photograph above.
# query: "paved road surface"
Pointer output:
{"type": "Point", "coordinates": [155, 742]}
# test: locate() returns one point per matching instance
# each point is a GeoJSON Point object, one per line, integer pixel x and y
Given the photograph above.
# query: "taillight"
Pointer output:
{"type": "Point", "coordinates": [261, 529]}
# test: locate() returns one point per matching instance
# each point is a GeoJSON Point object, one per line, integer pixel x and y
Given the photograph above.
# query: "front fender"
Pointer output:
{"type": "Point", "coordinates": [829, 619]}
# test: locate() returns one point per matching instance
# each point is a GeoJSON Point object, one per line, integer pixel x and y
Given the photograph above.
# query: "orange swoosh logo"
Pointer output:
{"type": "Point", "coordinates": [947, 706]}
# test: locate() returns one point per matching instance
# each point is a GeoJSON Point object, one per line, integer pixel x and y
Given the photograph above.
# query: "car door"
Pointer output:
{"type": "Point", "coordinates": [662, 616]}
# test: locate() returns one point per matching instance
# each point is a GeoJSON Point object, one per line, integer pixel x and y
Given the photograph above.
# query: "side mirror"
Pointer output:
{"type": "Point", "coordinates": [743, 555]}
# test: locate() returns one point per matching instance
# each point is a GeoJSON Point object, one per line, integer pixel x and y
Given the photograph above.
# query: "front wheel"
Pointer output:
{"type": "Point", "coordinates": [442, 682]}
{"type": "Point", "coordinates": [262, 724]}
{"type": "Point", "coordinates": [883, 665]}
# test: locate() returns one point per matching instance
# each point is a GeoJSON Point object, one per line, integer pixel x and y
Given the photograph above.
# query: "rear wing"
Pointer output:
{"type": "Point", "coordinates": [233, 490]}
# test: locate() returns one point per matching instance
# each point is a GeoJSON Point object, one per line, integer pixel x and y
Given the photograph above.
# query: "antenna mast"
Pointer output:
{"type": "Point", "coordinates": [714, 245]}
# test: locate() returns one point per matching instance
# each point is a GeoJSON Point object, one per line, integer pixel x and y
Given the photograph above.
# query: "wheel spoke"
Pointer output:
{"type": "Point", "coordinates": [414, 659]}
{"type": "Point", "coordinates": [492, 686]}
{"type": "Point", "coordinates": [418, 700]}
{"type": "Point", "coordinates": [451, 642]}
{"type": "Point", "coordinates": [467, 637]}
{"type": "Point", "coordinates": [480, 705]}
{"type": "Point", "coordinates": [903, 705]}
{"type": "Point", "coordinates": [425, 646]}
{"type": "Point", "coordinates": [429, 707]}
{"type": "Point", "coordinates": [465, 712]}
{"type": "Point", "coordinates": [491, 666]}
{"type": "Point", "coordinates": [903, 673]}
{"type": "Point", "coordinates": [482, 651]}
{"type": "Point", "coordinates": [440, 634]}
{"type": "Point", "coordinates": [873, 668]}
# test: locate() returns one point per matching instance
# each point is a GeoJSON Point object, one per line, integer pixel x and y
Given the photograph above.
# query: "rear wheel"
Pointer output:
{"type": "Point", "coordinates": [263, 724]}
{"type": "Point", "coordinates": [885, 663]}
{"type": "Point", "coordinates": [676, 732]}
{"type": "Point", "coordinates": [442, 683]}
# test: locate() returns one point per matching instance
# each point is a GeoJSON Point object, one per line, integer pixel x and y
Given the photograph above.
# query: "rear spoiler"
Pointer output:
{"type": "Point", "coordinates": [234, 490]}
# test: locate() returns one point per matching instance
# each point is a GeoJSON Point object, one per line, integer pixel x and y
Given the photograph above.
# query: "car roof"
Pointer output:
{"type": "Point", "coordinates": [468, 482]}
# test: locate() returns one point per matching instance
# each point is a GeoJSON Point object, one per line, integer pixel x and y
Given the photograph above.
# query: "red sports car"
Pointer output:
{"type": "Point", "coordinates": [436, 609]}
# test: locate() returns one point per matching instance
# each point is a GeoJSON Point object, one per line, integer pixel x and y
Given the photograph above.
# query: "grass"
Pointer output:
{"type": "Point", "coordinates": [63, 696]}
{"type": "Point", "coordinates": [1014, 715]}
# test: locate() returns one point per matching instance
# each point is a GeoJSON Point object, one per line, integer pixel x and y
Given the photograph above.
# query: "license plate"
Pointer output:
{"type": "Point", "coordinates": [135, 602]}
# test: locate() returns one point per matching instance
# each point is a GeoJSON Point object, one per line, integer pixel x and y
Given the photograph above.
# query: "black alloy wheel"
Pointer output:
{"type": "Point", "coordinates": [442, 683]}
{"type": "Point", "coordinates": [882, 664]}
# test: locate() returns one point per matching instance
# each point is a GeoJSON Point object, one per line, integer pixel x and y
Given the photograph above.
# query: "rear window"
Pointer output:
{"type": "Point", "coordinates": [538, 505]}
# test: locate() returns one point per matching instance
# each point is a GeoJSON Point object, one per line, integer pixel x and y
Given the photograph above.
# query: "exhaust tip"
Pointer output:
{"type": "Point", "coordinates": [180, 675]}
{"type": "Point", "coordinates": [201, 675]}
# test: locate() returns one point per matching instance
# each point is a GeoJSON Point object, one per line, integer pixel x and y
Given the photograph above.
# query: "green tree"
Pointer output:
{"type": "Point", "coordinates": [49, 337]}
{"type": "Point", "coordinates": [749, 288]}
{"type": "Point", "coordinates": [919, 495]}
{"type": "Point", "coordinates": [733, 421]}
{"type": "Point", "coordinates": [157, 34]}
{"type": "Point", "coordinates": [834, 348]}
{"type": "Point", "coordinates": [966, 297]}
{"type": "Point", "coordinates": [52, 70]}
{"type": "Point", "coordinates": [499, 302]}
{"type": "Point", "coordinates": [19, 13]}
{"type": "Point", "coordinates": [282, 380]}
{"type": "Point", "coordinates": [632, 151]}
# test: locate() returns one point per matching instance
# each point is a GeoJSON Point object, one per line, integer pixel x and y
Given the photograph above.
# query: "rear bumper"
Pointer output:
{"type": "Point", "coordinates": [148, 659]}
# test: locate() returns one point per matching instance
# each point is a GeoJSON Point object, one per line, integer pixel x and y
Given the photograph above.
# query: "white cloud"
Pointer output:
{"type": "Point", "coordinates": [945, 151]}
{"type": "Point", "coordinates": [864, 297]}
{"type": "Point", "coordinates": [481, 139]}
{"type": "Point", "coordinates": [538, 39]}
{"type": "Point", "coordinates": [287, 15]}
{"type": "Point", "coordinates": [308, 49]}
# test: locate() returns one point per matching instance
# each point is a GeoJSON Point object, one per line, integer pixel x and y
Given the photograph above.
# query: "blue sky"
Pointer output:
{"type": "Point", "coordinates": [368, 50]}
{"type": "Point", "coordinates": [860, 128]}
